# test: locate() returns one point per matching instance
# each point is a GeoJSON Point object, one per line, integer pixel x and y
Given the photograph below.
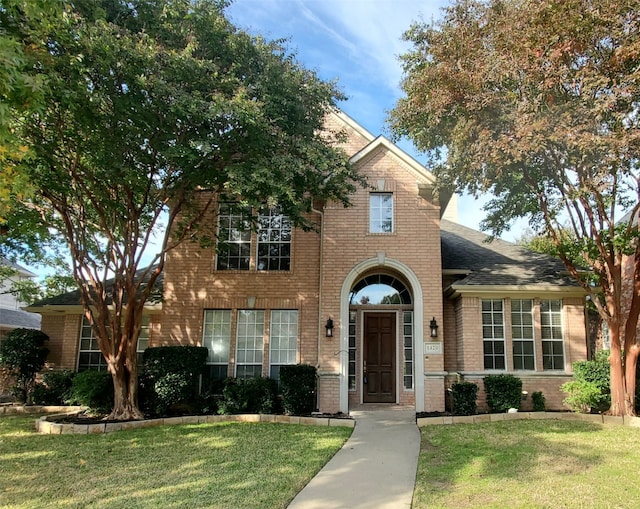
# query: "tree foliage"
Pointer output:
{"type": "Point", "coordinates": [149, 103]}
{"type": "Point", "coordinates": [23, 352]}
{"type": "Point", "coordinates": [536, 102]}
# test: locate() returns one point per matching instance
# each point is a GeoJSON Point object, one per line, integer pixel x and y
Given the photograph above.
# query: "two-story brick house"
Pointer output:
{"type": "Point", "coordinates": [388, 299]}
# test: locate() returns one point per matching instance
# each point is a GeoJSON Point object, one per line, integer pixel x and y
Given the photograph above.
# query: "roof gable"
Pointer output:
{"type": "Point", "coordinates": [381, 143]}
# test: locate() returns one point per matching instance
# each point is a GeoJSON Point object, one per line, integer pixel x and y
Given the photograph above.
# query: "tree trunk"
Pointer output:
{"type": "Point", "coordinates": [630, 365]}
{"type": "Point", "coordinates": [125, 392]}
{"type": "Point", "coordinates": [617, 376]}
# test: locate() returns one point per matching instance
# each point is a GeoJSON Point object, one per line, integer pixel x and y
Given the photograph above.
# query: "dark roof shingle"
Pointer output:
{"type": "Point", "coordinates": [497, 263]}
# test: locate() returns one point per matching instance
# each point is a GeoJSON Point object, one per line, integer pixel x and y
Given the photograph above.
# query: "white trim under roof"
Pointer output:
{"type": "Point", "coordinates": [456, 290]}
{"type": "Point", "coordinates": [346, 119]}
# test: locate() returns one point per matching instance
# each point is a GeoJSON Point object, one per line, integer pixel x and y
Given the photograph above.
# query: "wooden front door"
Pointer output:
{"type": "Point", "coordinates": [379, 358]}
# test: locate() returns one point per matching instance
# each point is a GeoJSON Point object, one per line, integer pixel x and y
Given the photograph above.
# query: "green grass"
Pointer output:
{"type": "Point", "coordinates": [221, 465]}
{"type": "Point", "coordinates": [529, 464]}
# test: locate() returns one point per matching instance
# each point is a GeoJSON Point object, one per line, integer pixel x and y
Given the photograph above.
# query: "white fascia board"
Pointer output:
{"type": "Point", "coordinates": [516, 291]}
{"type": "Point", "coordinates": [347, 120]}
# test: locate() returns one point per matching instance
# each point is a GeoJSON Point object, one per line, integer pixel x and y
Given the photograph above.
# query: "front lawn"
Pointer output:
{"type": "Point", "coordinates": [261, 465]}
{"type": "Point", "coordinates": [529, 464]}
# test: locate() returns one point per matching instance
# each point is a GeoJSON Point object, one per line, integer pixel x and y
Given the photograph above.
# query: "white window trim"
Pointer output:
{"type": "Point", "coordinates": [393, 212]}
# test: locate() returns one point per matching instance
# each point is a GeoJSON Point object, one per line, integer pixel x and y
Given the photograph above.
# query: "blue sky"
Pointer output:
{"type": "Point", "coordinates": [357, 43]}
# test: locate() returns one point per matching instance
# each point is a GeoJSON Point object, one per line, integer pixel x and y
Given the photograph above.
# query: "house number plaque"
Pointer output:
{"type": "Point", "coordinates": [433, 348]}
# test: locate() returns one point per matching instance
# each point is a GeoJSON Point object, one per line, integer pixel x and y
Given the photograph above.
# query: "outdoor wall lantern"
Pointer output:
{"type": "Point", "coordinates": [434, 327]}
{"type": "Point", "coordinates": [329, 328]}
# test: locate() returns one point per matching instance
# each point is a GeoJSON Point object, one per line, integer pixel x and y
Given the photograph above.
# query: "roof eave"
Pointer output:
{"type": "Point", "coordinates": [457, 290]}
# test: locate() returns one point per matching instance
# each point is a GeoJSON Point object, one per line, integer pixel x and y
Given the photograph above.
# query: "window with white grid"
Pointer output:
{"type": "Point", "coordinates": [381, 212]}
{"type": "Point", "coordinates": [249, 343]}
{"type": "Point", "coordinates": [234, 237]}
{"type": "Point", "coordinates": [407, 335]}
{"type": "Point", "coordinates": [493, 334]}
{"type": "Point", "coordinates": [352, 350]}
{"type": "Point", "coordinates": [522, 334]}
{"type": "Point", "coordinates": [274, 241]}
{"type": "Point", "coordinates": [216, 337]}
{"type": "Point", "coordinates": [283, 340]}
{"type": "Point", "coordinates": [89, 355]}
{"type": "Point", "coordinates": [552, 337]}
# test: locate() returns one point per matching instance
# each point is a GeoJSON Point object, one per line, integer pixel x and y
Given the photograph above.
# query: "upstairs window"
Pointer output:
{"type": "Point", "coordinates": [381, 213]}
{"type": "Point", "coordinates": [241, 247]}
{"type": "Point", "coordinates": [274, 241]}
{"type": "Point", "coordinates": [234, 238]}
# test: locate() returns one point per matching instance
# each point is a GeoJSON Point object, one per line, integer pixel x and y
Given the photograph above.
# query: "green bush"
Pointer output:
{"type": "Point", "coordinates": [464, 396]}
{"type": "Point", "coordinates": [539, 401]}
{"type": "Point", "coordinates": [171, 390]}
{"type": "Point", "coordinates": [170, 378]}
{"type": "Point", "coordinates": [503, 392]}
{"type": "Point", "coordinates": [54, 389]}
{"type": "Point", "coordinates": [298, 388]}
{"type": "Point", "coordinates": [93, 389]}
{"type": "Point", "coordinates": [250, 395]}
{"type": "Point", "coordinates": [583, 396]}
{"type": "Point", "coordinates": [590, 390]}
{"type": "Point", "coordinates": [160, 360]}
{"type": "Point", "coordinates": [22, 351]}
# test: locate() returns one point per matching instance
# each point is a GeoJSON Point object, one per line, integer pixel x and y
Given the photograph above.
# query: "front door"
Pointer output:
{"type": "Point", "coordinates": [379, 360]}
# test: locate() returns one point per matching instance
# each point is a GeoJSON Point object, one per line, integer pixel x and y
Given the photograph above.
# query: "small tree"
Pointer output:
{"type": "Point", "coordinates": [23, 352]}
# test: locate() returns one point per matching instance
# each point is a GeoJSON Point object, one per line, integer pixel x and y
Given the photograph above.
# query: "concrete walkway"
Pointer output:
{"type": "Point", "coordinates": [375, 469]}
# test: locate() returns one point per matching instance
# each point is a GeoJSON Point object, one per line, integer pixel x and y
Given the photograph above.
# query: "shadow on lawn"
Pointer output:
{"type": "Point", "coordinates": [496, 453]}
{"type": "Point", "coordinates": [207, 465]}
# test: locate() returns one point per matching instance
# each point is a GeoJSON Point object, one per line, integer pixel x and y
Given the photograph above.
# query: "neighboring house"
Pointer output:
{"type": "Point", "coordinates": [389, 300]}
{"type": "Point", "coordinates": [11, 314]}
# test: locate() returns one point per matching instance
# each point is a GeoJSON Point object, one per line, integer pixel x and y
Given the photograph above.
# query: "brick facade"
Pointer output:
{"type": "Point", "coordinates": [325, 267]}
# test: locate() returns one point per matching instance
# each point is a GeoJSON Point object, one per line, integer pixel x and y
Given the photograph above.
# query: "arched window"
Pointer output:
{"type": "Point", "coordinates": [379, 289]}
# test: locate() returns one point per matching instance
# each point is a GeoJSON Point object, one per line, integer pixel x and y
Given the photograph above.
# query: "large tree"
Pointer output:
{"type": "Point", "coordinates": [152, 108]}
{"type": "Point", "coordinates": [537, 102]}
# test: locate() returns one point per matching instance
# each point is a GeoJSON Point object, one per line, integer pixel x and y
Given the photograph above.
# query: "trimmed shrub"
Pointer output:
{"type": "Point", "coordinates": [583, 396]}
{"type": "Point", "coordinates": [93, 389]}
{"type": "Point", "coordinates": [172, 389]}
{"type": "Point", "coordinates": [298, 388]}
{"type": "Point", "coordinates": [464, 396]}
{"type": "Point", "coordinates": [160, 360]}
{"type": "Point", "coordinates": [170, 378]}
{"type": "Point", "coordinates": [22, 351]}
{"type": "Point", "coordinates": [539, 401]}
{"type": "Point", "coordinates": [248, 396]}
{"type": "Point", "coordinates": [590, 390]}
{"type": "Point", "coordinates": [54, 389]}
{"type": "Point", "coordinates": [503, 392]}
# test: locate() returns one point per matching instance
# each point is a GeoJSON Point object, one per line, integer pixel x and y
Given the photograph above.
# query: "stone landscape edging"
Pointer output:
{"type": "Point", "coordinates": [566, 416]}
{"type": "Point", "coordinates": [45, 426]}
{"type": "Point", "coordinates": [39, 409]}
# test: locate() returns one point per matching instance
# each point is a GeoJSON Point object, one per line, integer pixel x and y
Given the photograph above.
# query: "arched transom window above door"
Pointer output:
{"type": "Point", "coordinates": [379, 289]}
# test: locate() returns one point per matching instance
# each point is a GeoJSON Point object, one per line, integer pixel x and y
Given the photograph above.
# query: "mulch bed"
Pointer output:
{"type": "Point", "coordinates": [84, 418]}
